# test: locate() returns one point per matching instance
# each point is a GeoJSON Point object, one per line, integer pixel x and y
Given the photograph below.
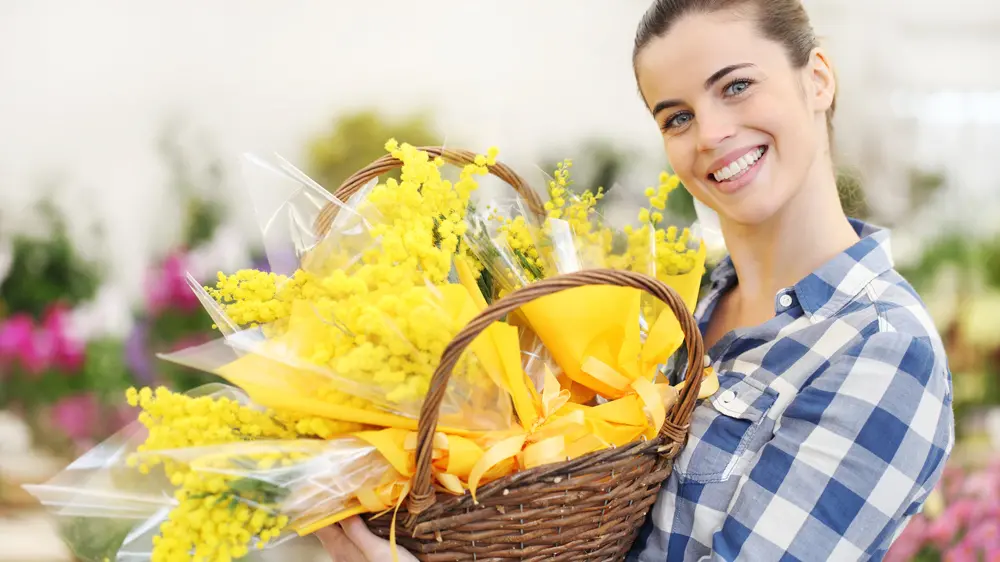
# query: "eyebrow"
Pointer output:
{"type": "Point", "coordinates": [715, 77]}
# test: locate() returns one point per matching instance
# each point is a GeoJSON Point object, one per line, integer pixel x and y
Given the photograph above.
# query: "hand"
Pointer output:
{"type": "Point", "coordinates": [351, 541]}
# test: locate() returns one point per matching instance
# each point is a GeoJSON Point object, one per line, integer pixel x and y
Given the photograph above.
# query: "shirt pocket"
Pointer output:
{"type": "Point", "coordinates": [725, 429]}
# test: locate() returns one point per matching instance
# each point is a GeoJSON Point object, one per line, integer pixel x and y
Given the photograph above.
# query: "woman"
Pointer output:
{"type": "Point", "coordinates": [834, 418]}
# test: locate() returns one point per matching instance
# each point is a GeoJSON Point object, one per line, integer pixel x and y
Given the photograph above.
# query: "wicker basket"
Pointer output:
{"type": "Point", "coordinates": [589, 508]}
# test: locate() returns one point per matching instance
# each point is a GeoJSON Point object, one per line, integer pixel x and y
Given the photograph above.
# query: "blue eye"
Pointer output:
{"type": "Point", "coordinates": [677, 120]}
{"type": "Point", "coordinates": [737, 87]}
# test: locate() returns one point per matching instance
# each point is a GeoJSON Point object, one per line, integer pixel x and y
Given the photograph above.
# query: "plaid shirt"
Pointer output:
{"type": "Point", "coordinates": [831, 426]}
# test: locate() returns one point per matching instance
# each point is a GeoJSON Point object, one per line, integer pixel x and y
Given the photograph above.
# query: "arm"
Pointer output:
{"type": "Point", "coordinates": [853, 457]}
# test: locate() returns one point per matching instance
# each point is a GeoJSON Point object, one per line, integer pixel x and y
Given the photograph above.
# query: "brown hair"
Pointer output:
{"type": "Point", "coordinates": [783, 21]}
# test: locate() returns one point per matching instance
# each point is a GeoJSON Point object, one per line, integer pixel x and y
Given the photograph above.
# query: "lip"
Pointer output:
{"type": "Point", "coordinates": [730, 157]}
{"type": "Point", "coordinates": [732, 186]}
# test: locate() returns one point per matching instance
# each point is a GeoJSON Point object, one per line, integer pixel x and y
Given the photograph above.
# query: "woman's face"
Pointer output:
{"type": "Point", "coordinates": [742, 128]}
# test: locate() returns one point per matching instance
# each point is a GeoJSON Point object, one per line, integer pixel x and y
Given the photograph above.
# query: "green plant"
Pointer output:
{"type": "Point", "coordinates": [970, 332]}
{"type": "Point", "coordinates": [47, 269]}
{"type": "Point", "coordinates": [923, 185]}
{"type": "Point", "coordinates": [354, 140]}
{"type": "Point", "coordinates": [852, 194]}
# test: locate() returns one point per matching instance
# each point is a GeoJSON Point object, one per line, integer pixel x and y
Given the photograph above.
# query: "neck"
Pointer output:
{"type": "Point", "coordinates": [807, 232]}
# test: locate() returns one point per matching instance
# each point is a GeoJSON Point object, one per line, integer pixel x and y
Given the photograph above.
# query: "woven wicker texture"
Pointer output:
{"type": "Point", "coordinates": [589, 508]}
{"type": "Point", "coordinates": [586, 509]}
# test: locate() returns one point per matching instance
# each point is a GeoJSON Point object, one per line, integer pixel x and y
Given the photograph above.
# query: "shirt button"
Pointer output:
{"type": "Point", "coordinates": [727, 397]}
{"type": "Point", "coordinates": [785, 300]}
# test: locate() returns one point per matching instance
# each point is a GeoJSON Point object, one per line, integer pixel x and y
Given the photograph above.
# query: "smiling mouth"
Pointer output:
{"type": "Point", "coordinates": [739, 167]}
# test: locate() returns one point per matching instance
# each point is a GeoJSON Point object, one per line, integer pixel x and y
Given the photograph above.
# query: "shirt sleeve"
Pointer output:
{"type": "Point", "coordinates": [853, 457]}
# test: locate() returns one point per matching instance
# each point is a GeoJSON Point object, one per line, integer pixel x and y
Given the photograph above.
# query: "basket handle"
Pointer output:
{"type": "Point", "coordinates": [455, 156]}
{"type": "Point", "coordinates": [674, 428]}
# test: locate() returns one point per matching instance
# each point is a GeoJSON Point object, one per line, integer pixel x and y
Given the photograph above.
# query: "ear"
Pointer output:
{"type": "Point", "coordinates": [823, 80]}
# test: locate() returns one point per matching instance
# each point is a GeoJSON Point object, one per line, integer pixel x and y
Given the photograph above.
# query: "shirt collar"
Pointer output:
{"type": "Point", "coordinates": [824, 292]}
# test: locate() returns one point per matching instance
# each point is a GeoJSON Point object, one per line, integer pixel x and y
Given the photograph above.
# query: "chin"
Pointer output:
{"type": "Point", "coordinates": [752, 207]}
{"type": "Point", "coordinates": [754, 211]}
{"type": "Point", "coordinates": [755, 203]}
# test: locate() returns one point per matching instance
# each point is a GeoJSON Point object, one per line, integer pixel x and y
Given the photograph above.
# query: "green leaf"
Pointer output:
{"type": "Point", "coordinates": [47, 270]}
{"type": "Point", "coordinates": [95, 539]}
{"type": "Point", "coordinates": [486, 285]}
{"type": "Point", "coordinates": [258, 491]}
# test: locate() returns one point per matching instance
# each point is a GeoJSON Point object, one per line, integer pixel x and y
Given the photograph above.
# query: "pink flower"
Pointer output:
{"type": "Point", "coordinates": [77, 416]}
{"type": "Point", "coordinates": [181, 295]}
{"type": "Point", "coordinates": [37, 348]}
{"type": "Point", "coordinates": [38, 353]}
{"type": "Point", "coordinates": [16, 334]}
{"type": "Point", "coordinates": [157, 295]}
{"type": "Point", "coordinates": [952, 482]}
{"type": "Point", "coordinates": [985, 535]}
{"type": "Point", "coordinates": [961, 553]}
{"type": "Point", "coordinates": [963, 510]}
{"type": "Point", "coordinates": [168, 288]}
{"type": "Point", "coordinates": [71, 357]}
{"type": "Point", "coordinates": [55, 319]}
{"type": "Point", "coordinates": [982, 485]}
{"type": "Point", "coordinates": [942, 531]}
{"type": "Point", "coordinates": [910, 541]}
{"type": "Point", "coordinates": [23, 344]}
{"type": "Point", "coordinates": [67, 351]}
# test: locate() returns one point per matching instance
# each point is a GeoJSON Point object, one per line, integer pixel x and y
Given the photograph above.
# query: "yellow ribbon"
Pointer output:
{"type": "Point", "coordinates": [592, 335]}
{"type": "Point", "coordinates": [502, 451]}
{"type": "Point", "coordinates": [709, 383]}
{"type": "Point", "coordinates": [563, 430]}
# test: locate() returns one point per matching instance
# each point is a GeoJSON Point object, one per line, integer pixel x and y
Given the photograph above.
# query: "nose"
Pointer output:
{"type": "Point", "coordinates": [715, 125]}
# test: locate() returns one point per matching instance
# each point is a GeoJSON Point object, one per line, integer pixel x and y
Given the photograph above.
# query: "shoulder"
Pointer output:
{"type": "Point", "coordinates": [895, 348]}
{"type": "Point", "coordinates": [903, 332]}
{"type": "Point", "coordinates": [895, 373]}
{"type": "Point", "coordinates": [900, 308]}
{"type": "Point", "coordinates": [889, 390]}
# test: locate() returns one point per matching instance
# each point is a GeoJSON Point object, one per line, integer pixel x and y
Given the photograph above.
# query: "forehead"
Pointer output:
{"type": "Point", "coordinates": [698, 45]}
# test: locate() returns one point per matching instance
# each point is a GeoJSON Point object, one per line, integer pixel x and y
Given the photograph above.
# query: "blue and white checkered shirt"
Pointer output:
{"type": "Point", "coordinates": [831, 426]}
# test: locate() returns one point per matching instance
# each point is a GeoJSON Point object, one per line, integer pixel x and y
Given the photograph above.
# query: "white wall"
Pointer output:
{"type": "Point", "coordinates": [85, 87]}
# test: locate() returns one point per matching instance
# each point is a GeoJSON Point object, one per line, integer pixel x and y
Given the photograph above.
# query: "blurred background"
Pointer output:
{"type": "Point", "coordinates": [123, 125]}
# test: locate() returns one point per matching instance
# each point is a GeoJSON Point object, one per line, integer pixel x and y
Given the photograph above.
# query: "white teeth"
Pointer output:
{"type": "Point", "coordinates": [740, 165]}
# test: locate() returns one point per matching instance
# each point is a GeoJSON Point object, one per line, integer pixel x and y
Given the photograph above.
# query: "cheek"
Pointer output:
{"type": "Point", "coordinates": [788, 120]}
{"type": "Point", "coordinates": [682, 156]}
{"type": "Point", "coordinates": [796, 140]}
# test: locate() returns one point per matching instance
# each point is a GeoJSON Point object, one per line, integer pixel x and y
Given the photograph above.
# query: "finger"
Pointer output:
{"type": "Point", "coordinates": [375, 548]}
{"type": "Point", "coordinates": [361, 536]}
{"type": "Point", "coordinates": [338, 545]}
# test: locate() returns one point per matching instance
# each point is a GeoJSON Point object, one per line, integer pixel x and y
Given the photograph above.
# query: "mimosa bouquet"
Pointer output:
{"type": "Point", "coordinates": [472, 378]}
